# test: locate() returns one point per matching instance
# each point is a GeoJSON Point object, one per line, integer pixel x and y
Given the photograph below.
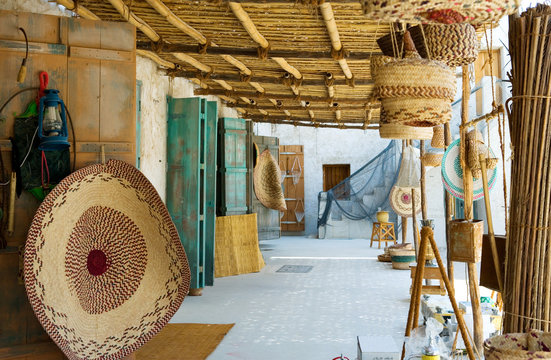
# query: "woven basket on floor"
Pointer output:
{"type": "Point", "coordinates": [454, 44]}
{"type": "Point", "coordinates": [437, 140]}
{"type": "Point", "coordinates": [401, 258]}
{"type": "Point", "coordinates": [415, 91]}
{"type": "Point", "coordinates": [439, 11]}
{"type": "Point", "coordinates": [432, 159]}
{"type": "Point", "coordinates": [532, 345]}
{"type": "Point", "coordinates": [267, 185]}
{"type": "Point", "coordinates": [404, 132]}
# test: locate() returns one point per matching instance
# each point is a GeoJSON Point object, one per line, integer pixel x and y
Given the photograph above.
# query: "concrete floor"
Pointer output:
{"type": "Point", "coordinates": [315, 315]}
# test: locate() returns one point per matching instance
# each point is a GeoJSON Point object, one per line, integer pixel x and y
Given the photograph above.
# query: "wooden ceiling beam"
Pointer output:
{"type": "Point", "coordinates": [307, 123]}
{"type": "Point", "coordinates": [313, 106]}
{"type": "Point", "coordinates": [270, 79]}
{"type": "Point", "coordinates": [254, 95]}
{"type": "Point", "coordinates": [165, 47]}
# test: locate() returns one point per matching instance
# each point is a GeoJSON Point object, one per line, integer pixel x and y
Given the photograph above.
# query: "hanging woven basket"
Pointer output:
{"type": "Point", "coordinates": [437, 141]}
{"type": "Point", "coordinates": [404, 132]}
{"type": "Point", "coordinates": [415, 91]}
{"type": "Point", "coordinates": [475, 12]}
{"type": "Point", "coordinates": [267, 185]}
{"type": "Point", "coordinates": [432, 159]}
{"type": "Point", "coordinates": [454, 44]}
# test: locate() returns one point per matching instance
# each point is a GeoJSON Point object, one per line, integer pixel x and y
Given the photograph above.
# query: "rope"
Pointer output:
{"type": "Point", "coordinates": [338, 54]}
{"type": "Point", "coordinates": [527, 317]}
{"type": "Point", "coordinates": [375, 37]}
{"type": "Point", "coordinates": [263, 52]}
{"type": "Point", "coordinates": [202, 50]}
{"type": "Point", "coordinates": [157, 46]}
{"type": "Point", "coordinates": [245, 78]}
{"type": "Point", "coordinates": [350, 82]}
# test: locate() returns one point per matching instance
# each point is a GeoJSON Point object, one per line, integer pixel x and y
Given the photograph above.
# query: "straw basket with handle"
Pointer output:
{"type": "Point", "coordinates": [415, 91]}
{"type": "Point", "coordinates": [439, 11]}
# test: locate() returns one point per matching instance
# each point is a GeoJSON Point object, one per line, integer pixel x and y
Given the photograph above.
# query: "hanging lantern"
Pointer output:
{"type": "Point", "coordinates": [52, 123]}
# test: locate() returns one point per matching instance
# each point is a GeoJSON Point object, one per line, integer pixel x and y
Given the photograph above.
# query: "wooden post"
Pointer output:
{"type": "Point", "coordinates": [478, 335]}
{"type": "Point", "coordinates": [449, 207]}
{"type": "Point", "coordinates": [423, 190]}
{"type": "Point", "coordinates": [497, 265]}
{"type": "Point", "coordinates": [404, 229]}
{"type": "Point", "coordinates": [414, 223]}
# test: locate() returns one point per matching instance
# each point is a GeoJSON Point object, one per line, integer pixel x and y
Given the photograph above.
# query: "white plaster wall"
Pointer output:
{"type": "Point", "coordinates": [324, 146]}
{"type": "Point", "coordinates": [34, 6]}
{"type": "Point", "coordinates": [155, 89]}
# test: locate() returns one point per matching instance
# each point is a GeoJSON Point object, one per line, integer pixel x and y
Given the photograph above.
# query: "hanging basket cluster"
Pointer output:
{"type": "Point", "coordinates": [439, 11]}
{"type": "Point", "coordinates": [414, 92]}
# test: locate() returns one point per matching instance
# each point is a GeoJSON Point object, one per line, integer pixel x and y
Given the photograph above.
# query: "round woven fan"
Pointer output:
{"type": "Point", "coordinates": [401, 201]}
{"type": "Point", "coordinates": [104, 266]}
{"type": "Point", "coordinates": [452, 174]}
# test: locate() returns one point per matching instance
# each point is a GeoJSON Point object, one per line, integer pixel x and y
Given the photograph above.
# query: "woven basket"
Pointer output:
{"type": "Point", "coordinates": [491, 163]}
{"type": "Point", "coordinates": [432, 159]}
{"type": "Point", "coordinates": [404, 132]}
{"type": "Point", "coordinates": [532, 345]}
{"type": "Point", "coordinates": [437, 141]}
{"type": "Point", "coordinates": [401, 258]}
{"type": "Point", "coordinates": [379, 60]}
{"type": "Point", "coordinates": [415, 91]}
{"type": "Point", "coordinates": [267, 185]}
{"type": "Point", "coordinates": [454, 44]}
{"type": "Point", "coordinates": [439, 11]}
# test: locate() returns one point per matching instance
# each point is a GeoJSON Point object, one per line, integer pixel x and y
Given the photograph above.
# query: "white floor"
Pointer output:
{"type": "Point", "coordinates": [315, 315]}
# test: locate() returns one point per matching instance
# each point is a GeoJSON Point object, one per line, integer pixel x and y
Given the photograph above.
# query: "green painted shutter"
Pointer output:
{"type": "Point", "coordinates": [210, 189]}
{"type": "Point", "coordinates": [186, 179]}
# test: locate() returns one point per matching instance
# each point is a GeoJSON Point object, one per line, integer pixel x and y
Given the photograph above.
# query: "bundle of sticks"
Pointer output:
{"type": "Point", "coordinates": [527, 295]}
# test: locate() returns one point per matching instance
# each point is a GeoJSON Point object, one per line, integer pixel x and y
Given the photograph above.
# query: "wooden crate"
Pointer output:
{"type": "Point", "coordinates": [466, 240]}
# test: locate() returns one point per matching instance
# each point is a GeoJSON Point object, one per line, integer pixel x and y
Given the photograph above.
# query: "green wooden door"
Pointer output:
{"type": "Point", "coordinates": [232, 167]}
{"type": "Point", "coordinates": [210, 189]}
{"type": "Point", "coordinates": [186, 179]}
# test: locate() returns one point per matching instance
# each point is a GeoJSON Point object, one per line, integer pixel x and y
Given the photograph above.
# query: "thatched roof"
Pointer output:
{"type": "Point", "coordinates": [267, 58]}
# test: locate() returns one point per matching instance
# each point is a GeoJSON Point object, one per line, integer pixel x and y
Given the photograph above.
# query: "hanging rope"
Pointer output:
{"type": "Point", "coordinates": [202, 48]}
{"type": "Point", "coordinates": [263, 52]}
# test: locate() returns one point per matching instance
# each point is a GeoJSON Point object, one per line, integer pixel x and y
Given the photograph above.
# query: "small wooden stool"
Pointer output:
{"type": "Point", "coordinates": [430, 273]}
{"type": "Point", "coordinates": [383, 231]}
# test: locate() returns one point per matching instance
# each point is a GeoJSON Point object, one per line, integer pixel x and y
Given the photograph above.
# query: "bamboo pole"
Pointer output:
{"type": "Point", "coordinates": [224, 84]}
{"type": "Point", "coordinates": [162, 9]}
{"type": "Point", "coordinates": [333, 32]}
{"type": "Point", "coordinates": [468, 191]}
{"type": "Point", "coordinates": [313, 106]}
{"type": "Point", "coordinates": [495, 256]}
{"type": "Point", "coordinates": [248, 24]}
{"type": "Point", "coordinates": [193, 62]}
{"type": "Point", "coordinates": [287, 67]}
{"type": "Point", "coordinates": [238, 64]}
{"type": "Point", "coordinates": [135, 20]}
{"type": "Point", "coordinates": [156, 58]}
{"type": "Point", "coordinates": [422, 180]}
{"type": "Point", "coordinates": [80, 10]}
{"type": "Point", "coordinates": [314, 124]}
{"type": "Point", "coordinates": [449, 207]}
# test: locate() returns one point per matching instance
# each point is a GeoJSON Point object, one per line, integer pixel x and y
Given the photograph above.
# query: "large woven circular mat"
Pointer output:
{"type": "Point", "coordinates": [104, 266]}
{"type": "Point", "coordinates": [267, 185]}
{"type": "Point", "coordinates": [401, 201]}
{"type": "Point", "coordinates": [452, 174]}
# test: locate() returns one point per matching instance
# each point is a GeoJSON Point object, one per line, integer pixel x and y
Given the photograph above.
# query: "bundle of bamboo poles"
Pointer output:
{"type": "Point", "coordinates": [527, 297]}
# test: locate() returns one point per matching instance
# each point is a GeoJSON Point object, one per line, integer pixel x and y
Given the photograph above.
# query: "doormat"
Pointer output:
{"type": "Point", "coordinates": [184, 342]}
{"type": "Point", "coordinates": [295, 269]}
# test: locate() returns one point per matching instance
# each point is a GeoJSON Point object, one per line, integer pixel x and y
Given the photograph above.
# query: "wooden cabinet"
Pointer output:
{"type": "Point", "coordinates": [291, 163]}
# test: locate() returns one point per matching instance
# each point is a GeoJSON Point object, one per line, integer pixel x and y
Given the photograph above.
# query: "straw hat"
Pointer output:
{"type": "Point", "coordinates": [104, 266]}
{"type": "Point", "coordinates": [452, 174]}
{"type": "Point", "coordinates": [267, 186]}
{"type": "Point", "coordinates": [401, 201]}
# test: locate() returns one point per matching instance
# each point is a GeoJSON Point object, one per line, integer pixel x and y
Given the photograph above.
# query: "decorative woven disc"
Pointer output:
{"type": "Point", "coordinates": [452, 174]}
{"type": "Point", "coordinates": [267, 185]}
{"type": "Point", "coordinates": [401, 201]}
{"type": "Point", "coordinates": [104, 266]}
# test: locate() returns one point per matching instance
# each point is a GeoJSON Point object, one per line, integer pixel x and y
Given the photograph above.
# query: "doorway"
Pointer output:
{"type": "Point", "coordinates": [334, 174]}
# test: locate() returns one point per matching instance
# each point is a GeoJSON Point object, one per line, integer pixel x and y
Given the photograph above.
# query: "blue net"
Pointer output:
{"type": "Point", "coordinates": [366, 191]}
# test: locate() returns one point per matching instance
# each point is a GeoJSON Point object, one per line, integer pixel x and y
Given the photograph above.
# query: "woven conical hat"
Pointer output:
{"type": "Point", "coordinates": [267, 186]}
{"type": "Point", "coordinates": [401, 201]}
{"type": "Point", "coordinates": [104, 266]}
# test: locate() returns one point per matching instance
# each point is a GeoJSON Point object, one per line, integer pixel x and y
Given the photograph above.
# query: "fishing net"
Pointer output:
{"type": "Point", "coordinates": [366, 191]}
